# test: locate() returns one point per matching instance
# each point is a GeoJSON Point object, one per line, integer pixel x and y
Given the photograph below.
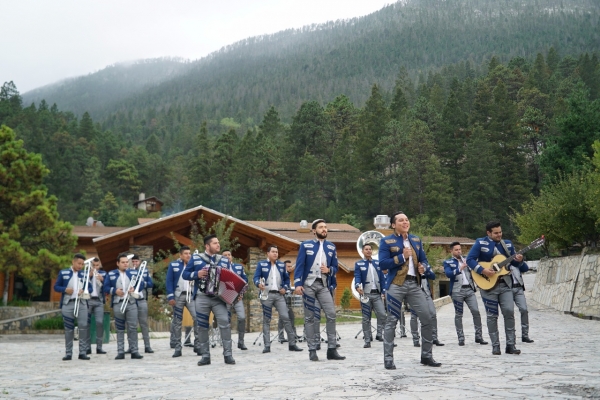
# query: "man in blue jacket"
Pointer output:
{"type": "Point", "coordinates": [96, 304]}
{"type": "Point", "coordinates": [462, 290]}
{"type": "Point", "coordinates": [202, 268]}
{"type": "Point", "coordinates": [414, 326]}
{"type": "Point", "coordinates": [316, 265]}
{"type": "Point", "coordinates": [370, 284]}
{"type": "Point", "coordinates": [238, 307]}
{"type": "Point", "coordinates": [403, 256]}
{"type": "Point", "coordinates": [179, 295]}
{"type": "Point", "coordinates": [70, 284]}
{"type": "Point", "coordinates": [485, 249]}
{"type": "Point", "coordinates": [272, 279]}
{"type": "Point", "coordinates": [117, 284]}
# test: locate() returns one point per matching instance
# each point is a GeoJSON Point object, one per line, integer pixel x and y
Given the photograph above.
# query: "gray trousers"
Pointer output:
{"type": "Point", "coordinates": [280, 327]}
{"type": "Point", "coordinates": [96, 308]}
{"type": "Point", "coordinates": [312, 294]}
{"type": "Point", "coordinates": [418, 302]}
{"type": "Point", "coordinates": [276, 300]}
{"type": "Point", "coordinates": [459, 297]}
{"type": "Point", "coordinates": [177, 320]}
{"type": "Point", "coordinates": [238, 307]}
{"type": "Point", "coordinates": [129, 317]}
{"type": "Point", "coordinates": [375, 303]}
{"type": "Point", "coordinates": [143, 319]}
{"type": "Point", "coordinates": [519, 297]}
{"type": "Point", "coordinates": [414, 326]}
{"type": "Point", "coordinates": [68, 314]}
{"type": "Point", "coordinates": [204, 305]}
{"type": "Point", "coordinates": [500, 295]}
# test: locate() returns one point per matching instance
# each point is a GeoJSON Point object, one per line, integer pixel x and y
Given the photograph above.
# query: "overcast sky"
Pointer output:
{"type": "Point", "coordinates": [44, 41]}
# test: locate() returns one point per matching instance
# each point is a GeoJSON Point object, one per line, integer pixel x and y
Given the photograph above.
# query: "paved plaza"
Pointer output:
{"type": "Point", "coordinates": [564, 362]}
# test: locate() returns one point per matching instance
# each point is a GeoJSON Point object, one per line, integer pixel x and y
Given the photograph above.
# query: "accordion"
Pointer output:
{"type": "Point", "coordinates": [231, 286]}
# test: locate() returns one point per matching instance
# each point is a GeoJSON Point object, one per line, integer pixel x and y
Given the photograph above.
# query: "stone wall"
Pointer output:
{"type": "Point", "coordinates": [22, 323]}
{"type": "Point", "coordinates": [569, 284]}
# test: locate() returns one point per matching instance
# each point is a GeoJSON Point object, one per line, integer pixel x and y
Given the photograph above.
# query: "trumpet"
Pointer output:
{"type": "Point", "coordinates": [86, 294]}
{"type": "Point", "coordinates": [363, 298]}
{"type": "Point", "coordinates": [263, 294]}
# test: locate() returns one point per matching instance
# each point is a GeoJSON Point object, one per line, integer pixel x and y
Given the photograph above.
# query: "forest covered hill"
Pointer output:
{"type": "Point", "coordinates": [318, 62]}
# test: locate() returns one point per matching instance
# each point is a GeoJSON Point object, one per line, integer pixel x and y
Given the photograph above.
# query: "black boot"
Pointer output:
{"type": "Point", "coordinates": [389, 365]}
{"type": "Point", "coordinates": [367, 345]}
{"type": "Point", "coordinates": [461, 342]}
{"type": "Point", "coordinates": [136, 356]}
{"type": "Point", "coordinates": [332, 354]}
{"type": "Point", "coordinates": [100, 351]}
{"type": "Point", "coordinates": [266, 350]}
{"type": "Point", "coordinates": [430, 362]}
{"type": "Point", "coordinates": [496, 351]}
{"type": "Point", "coordinates": [525, 339]}
{"type": "Point", "coordinates": [480, 341]}
{"type": "Point", "coordinates": [229, 360]}
{"type": "Point", "coordinates": [83, 357]}
{"type": "Point", "coordinates": [242, 346]}
{"type": "Point", "coordinates": [417, 344]}
{"type": "Point", "coordinates": [177, 353]}
{"type": "Point", "coordinates": [312, 355]}
{"type": "Point", "coordinates": [438, 343]}
{"type": "Point", "coordinates": [67, 358]}
{"type": "Point", "coordinates": [204, 361]}
{"type": "Point", "coordinates": [511, 349]}
{"type": "Point", "coordinates": [295, 348]}
{"type": "Point", "coordinates": [148, 350]}
{"type": "Point", "coordinates": [319, 346]}
{"type": "Point", "coordinates": [89, 351]}
{"type": "Point", "coordinates": [379, 338]}
{"type": "Point", "coordinates": [283, 340]}
{"type": "Point", "coordinates": [120, 356]}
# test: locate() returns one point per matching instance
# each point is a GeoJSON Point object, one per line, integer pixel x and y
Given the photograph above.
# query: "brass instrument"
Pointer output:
{"type": "Point", "coordinates": [141, 271]}
{"type": "Point", "coordinates": [132, 285]}
{"type": "Point", "coordinates": [86, 294]}
{"type": "Point", "coordinates": [371, 238]}
{"type": "Point", "coordinates": [360, 297]}
{"type": "Point", "coordinates": [263, 294]}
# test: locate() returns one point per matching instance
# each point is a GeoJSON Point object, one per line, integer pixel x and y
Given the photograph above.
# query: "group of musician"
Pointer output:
{"type": "Point", "coordinates": [399, 277]}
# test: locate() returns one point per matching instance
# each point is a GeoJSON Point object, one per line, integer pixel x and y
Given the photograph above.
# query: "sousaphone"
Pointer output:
{"type": "Point", "coordinates": [371, 238]}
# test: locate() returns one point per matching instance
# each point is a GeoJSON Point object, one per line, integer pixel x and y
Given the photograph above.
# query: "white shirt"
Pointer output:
{"type": "Point", "coordinates": [411, 264]}
{"type": "Point", "coordinates": [94, 286]}
{"type": "Point", "coordinates": [465, 280]}
{"type": "Point", "coordinates": [273, 278]}
{"type": "Point", "coordinates": [74, 284]}
{"type": "Point", "coordinates": [125, 282]}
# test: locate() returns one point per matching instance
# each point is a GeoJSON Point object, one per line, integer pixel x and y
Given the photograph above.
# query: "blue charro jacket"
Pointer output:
{"type": "Point", "coordinates": [306, 256]}
{"type": "Point", "coordinates": [110, 282]}
{"type": "Point", "coordinates": [483, 250]}
{"type": "Point", "coordinates": [263, 268]}
{"type": "Point", "coordinates": [196, 263]}
{"type": "Point", "coordinates": [239, 269]}
{"type": "Point", "coordinates": [391, 258]}
{"type": "Point", "coordinates": [452, 271]}
{"type": "Point", "coordinates": [62, 281]}
{"type": "Point", "coordinates": [361, 271]}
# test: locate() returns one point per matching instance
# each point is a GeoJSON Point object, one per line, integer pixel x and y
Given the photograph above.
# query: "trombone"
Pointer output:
{"type": "Point", "coordinates": [134, 284]}
{"type": "Point", "coordinates": [86, 293]}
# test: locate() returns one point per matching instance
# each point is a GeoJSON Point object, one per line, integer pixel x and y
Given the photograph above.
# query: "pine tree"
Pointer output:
{"type": "Point", "coordinates": [34, 243]}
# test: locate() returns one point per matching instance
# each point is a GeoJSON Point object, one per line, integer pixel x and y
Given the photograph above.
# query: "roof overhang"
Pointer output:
{"type": "Point", "coordinates": [161, 232]}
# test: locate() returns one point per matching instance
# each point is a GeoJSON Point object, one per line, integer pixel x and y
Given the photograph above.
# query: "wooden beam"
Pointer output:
{"type": "Point", "coordinates": [180, 238]}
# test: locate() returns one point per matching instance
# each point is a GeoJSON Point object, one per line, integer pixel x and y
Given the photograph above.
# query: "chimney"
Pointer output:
{"type": "Point", "coordinates": [381, 222]}
{"type": "Point", "coordinates": [142, 196]}
{"type": "Point", "coordinates": [142, 204]}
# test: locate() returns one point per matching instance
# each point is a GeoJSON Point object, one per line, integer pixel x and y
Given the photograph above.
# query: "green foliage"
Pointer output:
{"type": "Point", "coordinates": [345, 300]}
{"type": "Point", "coordinates": [34, 242]}
{"type": "Point", "coordinates": [54, 323]}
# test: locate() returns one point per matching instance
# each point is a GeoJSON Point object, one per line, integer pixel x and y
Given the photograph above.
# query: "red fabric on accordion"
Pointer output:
{"type": "Point", "coordinates": [231, 286]}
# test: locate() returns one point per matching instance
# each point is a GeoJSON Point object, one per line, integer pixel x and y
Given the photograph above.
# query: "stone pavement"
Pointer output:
{"type": "Point", "coordinates": [564, 362]}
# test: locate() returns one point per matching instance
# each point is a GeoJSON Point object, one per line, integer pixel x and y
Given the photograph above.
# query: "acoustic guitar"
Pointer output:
{"type": "Point", "coordinates": [501, 266]}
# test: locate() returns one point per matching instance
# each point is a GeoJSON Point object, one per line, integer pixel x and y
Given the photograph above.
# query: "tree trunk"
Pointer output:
{"type": "Point", "coordinates": [6, 283]}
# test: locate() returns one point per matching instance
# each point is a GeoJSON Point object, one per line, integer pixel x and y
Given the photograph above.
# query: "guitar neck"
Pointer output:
{"type": "Point", "coordinates": [511, 258]}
